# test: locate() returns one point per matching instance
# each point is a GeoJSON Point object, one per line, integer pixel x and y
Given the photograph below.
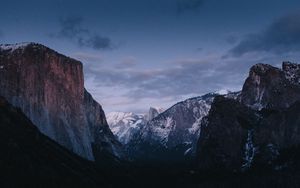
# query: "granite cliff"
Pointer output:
{"type": "Point", "coordinates": [49, 88]}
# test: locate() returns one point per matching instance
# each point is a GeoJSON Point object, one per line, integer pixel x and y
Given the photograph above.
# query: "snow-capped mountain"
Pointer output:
{"type": "Point", "coordinates": [125, 125]}
{"type": "Point", "coordinates": [173, 134]}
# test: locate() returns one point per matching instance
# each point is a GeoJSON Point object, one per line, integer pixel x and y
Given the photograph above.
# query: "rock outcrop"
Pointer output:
{"type": "Point", "coordinates": [153, 113]}
{"type": "Point", "coordinates": [49, 88]}
{"type": "Point", "coordinates": [258, 128]}
{"type": "Point", "coordinates": [270, 87]}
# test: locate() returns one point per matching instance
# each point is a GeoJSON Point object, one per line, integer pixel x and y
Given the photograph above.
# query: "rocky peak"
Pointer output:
{"type": "Point", "coordinates": [271, 87]}
{"type": "Point", "coordinates": [257, 130]}
{"type": "Point", "coordinates": [153, 112]}
{"type": "Point", "coordinates": [291, 71]}
{"type": "Point", "coordinates": [49, 88]}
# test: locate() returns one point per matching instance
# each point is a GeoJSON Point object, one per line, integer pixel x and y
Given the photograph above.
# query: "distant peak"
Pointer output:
{"type": "Point", "coordinates": [158, 109]}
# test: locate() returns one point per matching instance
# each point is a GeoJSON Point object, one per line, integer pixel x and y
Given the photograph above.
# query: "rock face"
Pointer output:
{"type": "Point", "coordinates": [270, 87]}
{"type": "Point", "coordinates": [153, 113]}
{"type": "Point", "coordinates": [31, 159]}
{"type": "Point", "coordinates": [224, 135]}
{"type": "Point", "coordinates": [49, 88]}
{"type": "Point", "coordinates": [256, 129]}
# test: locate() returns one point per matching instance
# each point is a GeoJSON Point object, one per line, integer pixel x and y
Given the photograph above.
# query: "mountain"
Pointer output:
{"type": "Point", "coordinates": [258, 130]}
{"type": "Point", "coordinates": [49, 88]}
{"type": "Point", "coordinates": [153, 112]}
{"type": "Point", "coordinates": [172, 135]}
{"type": "Point", "coordinates": [125, 125]}
{"type": "Point", "coordinates": [30, 159]}
{"type": "Point", "coordinates": [270, 87]}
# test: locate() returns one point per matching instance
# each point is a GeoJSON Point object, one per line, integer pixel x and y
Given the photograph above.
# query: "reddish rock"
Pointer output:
{"type": "Point", "coordinates": [49, 88]}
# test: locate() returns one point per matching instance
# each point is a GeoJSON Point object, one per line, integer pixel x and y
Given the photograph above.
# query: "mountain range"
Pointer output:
{"type": "Point", "coordinates": [53, 130]}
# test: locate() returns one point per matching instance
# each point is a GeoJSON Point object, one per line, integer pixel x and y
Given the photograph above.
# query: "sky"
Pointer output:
{"type": "Point", "coordinates": [142, 53]}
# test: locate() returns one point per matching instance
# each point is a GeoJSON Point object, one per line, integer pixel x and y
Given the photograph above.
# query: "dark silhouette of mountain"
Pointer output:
{"type": "Point", "coordinates": [30, 159]}
{"type": "Point", "coordinates": [260, 129]}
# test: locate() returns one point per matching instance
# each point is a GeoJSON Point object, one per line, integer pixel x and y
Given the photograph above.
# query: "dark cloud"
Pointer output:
{"type": "Point", "coordinates": [280, 37]}
{"type": "Point", "coordinates": [72, 28]}
{"type": "Point", "coordinates": [188, 5]}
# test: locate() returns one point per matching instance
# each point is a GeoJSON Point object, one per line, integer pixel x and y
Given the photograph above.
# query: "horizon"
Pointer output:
{"type": "Point", "coordinates": [138, 54]}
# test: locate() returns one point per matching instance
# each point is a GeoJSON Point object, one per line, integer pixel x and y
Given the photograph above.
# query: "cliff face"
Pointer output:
{"type": "Point", "coordinates": [30, 159]}
{"type": "Point", "coordinates": [260, 129]}
{"type": "Point", "coordinates": [49, 88]}
{"type": "Point", "coordinates": [270, 87]}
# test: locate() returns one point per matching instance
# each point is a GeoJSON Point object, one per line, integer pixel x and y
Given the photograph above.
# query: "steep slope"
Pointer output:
{"type": "Point", "coordinates": [172, 135]}
{"type": "Point", "coordinates": [260, 129]}
{"type": "Point", "coordinates": [49, 88]}
{"type": "Point", "coordinates": [30, 159]}
{"type": "Point", "coordinates": [270, 87]}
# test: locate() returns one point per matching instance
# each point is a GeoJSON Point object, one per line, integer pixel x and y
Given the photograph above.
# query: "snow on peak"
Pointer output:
{"type": "Point", "coordinates": [222, 92]}
{"type": "Point", "coordinates": [13, 47]}
{"type": "Point", "coordinates": [125, 124]}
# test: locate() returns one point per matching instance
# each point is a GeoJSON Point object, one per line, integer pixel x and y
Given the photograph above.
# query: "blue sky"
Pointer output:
{"type": "Point", "coordinates": [142, 53]}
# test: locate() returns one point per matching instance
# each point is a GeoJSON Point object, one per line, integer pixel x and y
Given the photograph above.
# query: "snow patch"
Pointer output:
{"type": "Point", "coordinates": [222, 92]}
{"type": "Point", "coordinates": [249, 151]}
{"type": "Point", "coordinates": [13, 47]}
{"type": "Point", "coordinates": [124, 124]}
{"type": "Point", "coordinates": [187, 151]}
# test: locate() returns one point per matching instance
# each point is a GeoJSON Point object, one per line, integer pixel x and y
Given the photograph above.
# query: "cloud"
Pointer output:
{"type": "Point", "coordinates": [280, 37]}
{"type": "Point", "coordinates": [127, 63]}
{"type": "Point", "coordinates": [135, 89]}
{"type": "Point", "coordinates": [72, 28]}
{"type": "Point", "coordinates": [181, 78]}
{"type": "Point", "coordinates": [188, 5]}
{"type": "Point", "coordinates": [87, 57]}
